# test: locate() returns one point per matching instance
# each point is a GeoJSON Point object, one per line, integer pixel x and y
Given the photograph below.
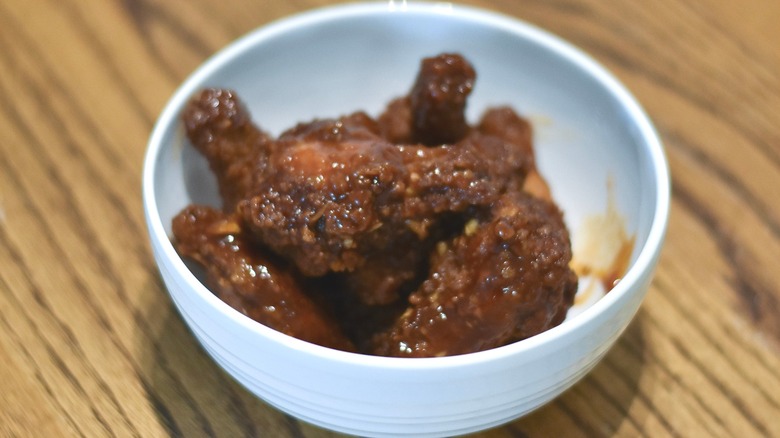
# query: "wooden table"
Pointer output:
{"type": "Point", "coordinates": [90, 344]}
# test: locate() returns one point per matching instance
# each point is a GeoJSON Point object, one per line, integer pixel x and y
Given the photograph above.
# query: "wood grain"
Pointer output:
{"type": "Point", "coordinates": [91, 345]}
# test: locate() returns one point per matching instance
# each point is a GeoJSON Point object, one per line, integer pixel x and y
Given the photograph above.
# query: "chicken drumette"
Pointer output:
{"type": "Point", "coordinates": [220, 127]}
{"type": "Point", "coordinates": [251, 280]}
{"type": "Point", "coordinates": [505, 278]}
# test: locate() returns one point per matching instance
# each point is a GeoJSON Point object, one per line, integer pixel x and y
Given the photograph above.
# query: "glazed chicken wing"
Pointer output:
{"type": "Point", "coordinates": [326, 195]}
{"type": "Point", "coordinates": [506, 278]}
{"type": "Point", "coordinates": [433, 113]}
{"type": "Point", "coordinates": [250, 280]}
{"type": "Point", "coordinates": [340, 189]}
{"type": "Point", "coordinates": [219, 127]}
{"type": "Point", "coordinates": [331, 198]}
{"type": "Point", "coordinates": [503, 122]}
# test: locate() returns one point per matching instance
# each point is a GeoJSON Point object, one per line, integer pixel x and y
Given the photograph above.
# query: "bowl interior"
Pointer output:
{"type": "Point", "coordinates": [593, 142]}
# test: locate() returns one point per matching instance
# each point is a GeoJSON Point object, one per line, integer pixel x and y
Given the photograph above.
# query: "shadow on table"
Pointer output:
{"type": "Point", "coordinates": [600, 403]}
{"type": "Point", "coordinates": [189, 393]}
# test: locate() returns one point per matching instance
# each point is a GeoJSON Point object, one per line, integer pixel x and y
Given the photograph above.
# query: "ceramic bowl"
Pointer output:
{"type": "Point", "coordinates": [594, 143]}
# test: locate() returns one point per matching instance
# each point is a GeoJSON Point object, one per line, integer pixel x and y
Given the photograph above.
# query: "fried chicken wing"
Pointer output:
{"type": "Point", "coordinates": [433, 113]}
{"type": "Point", "coordinates": [331, 198]}
{"type": "Point", "coordinates": [250, 280]}
{"type": "Point", "coordinates": [503, 122]}
{"type": "Point", "coordinates": [326, 194]}
{"type": "Point", "coordinates": [506, 278]}
{"type": "Point", "coordinates": [438, 99]}
{"type": "Point", "coordinates": [453, 177]}
{"type": "Point", "coordinates": [395, 122]}
{"type": "Point", "coordinates": [389, 272]}
{"type": "Point", "coordinates": [219, 127]}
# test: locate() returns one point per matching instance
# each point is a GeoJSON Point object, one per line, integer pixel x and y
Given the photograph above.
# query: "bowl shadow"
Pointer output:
{"type": "Point", "coordinates": [601, 403]}
{"type": "Point", "coordinates": [188, 392]}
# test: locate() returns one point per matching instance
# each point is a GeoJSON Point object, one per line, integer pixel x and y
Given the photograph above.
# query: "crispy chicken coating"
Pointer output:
{"type": "Point", "coordinates": [336, 190]}
{"type": "Point", "coordinates": [433, 113]}
{"type": "Point", "coordinates": [219, 127]}
{"type": "Point", "coordinates": [506, 124]}
{"type": "Point", "coordinates": [438, 99]}
{"type": "Point", "coordinates": [250, 280]}
{"type": "Point", "coordinates": [325, 195]}
{"type": "Point", "coordinates": [506, 278]}
{"type": "Point", "coordinates": [395, 122]}
{"type": "Point", "coordinates": [391, 271]}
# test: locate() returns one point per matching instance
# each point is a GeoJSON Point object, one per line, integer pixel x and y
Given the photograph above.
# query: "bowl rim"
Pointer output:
{"type": "Point", "coordinates": [537, 344]}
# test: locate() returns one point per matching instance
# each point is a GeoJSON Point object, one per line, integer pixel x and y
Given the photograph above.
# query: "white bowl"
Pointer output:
{"type": "Point", "coordinates": [590, 135]}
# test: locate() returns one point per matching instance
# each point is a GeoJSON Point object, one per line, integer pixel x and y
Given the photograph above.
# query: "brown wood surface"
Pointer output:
{"type": "Point", "coordinates": [90, 344]}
